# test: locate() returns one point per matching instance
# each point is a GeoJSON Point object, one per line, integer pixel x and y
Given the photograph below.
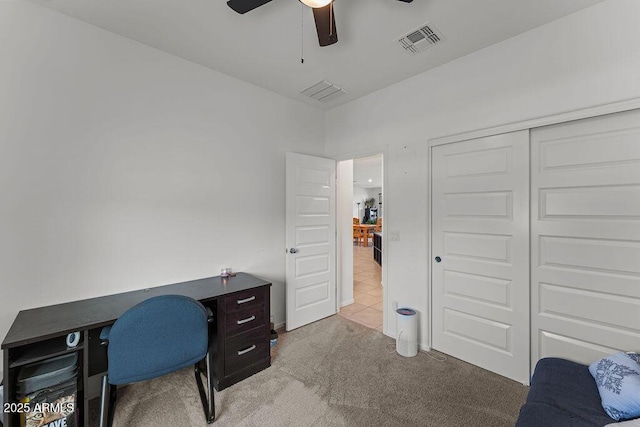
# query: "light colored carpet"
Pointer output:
{"type": "Point", "coordinates": [334, 373]}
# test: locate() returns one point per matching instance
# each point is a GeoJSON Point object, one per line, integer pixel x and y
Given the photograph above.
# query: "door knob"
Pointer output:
{"type": "Point", "coordinates": [438, 259]}
{"type": "Point", "coordinates": [293, 251]}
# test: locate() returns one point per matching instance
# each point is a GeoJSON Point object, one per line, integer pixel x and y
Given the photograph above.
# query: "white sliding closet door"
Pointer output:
{"type": "Point", "coordinates": [585, 223]}
{"type": "Point", "coordinates": [480, 214]}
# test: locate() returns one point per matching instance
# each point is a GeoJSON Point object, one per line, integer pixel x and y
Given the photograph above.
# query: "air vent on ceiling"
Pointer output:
{"type": "Point", "coordinates": [323, 91]}
{"type": "Point", "coordinates": [421, 39]}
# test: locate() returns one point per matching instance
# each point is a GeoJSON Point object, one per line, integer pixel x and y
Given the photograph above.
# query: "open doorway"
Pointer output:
{"type": "Point", "coordinates": [366, 306]}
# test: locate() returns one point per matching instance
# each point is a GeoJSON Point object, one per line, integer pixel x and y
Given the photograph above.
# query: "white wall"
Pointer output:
{"type": "Point", "coordinates": [586, 59]}
{"type": "Point", "coordinates": [345, 231]}
{"type": "Point", "coordinates": [123, 167]}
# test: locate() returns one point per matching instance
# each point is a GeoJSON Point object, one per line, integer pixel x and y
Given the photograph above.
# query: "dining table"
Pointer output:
{"type": "Point", "coordinates": [366, 229]}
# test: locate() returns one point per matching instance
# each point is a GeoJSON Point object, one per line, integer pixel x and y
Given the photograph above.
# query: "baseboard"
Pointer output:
{"type": "Point", "coordinates": [346, 303]}
{"type": "Point", "coordinates": [280, 325]}
{"type": "Point", "coordinates": [424, 348]}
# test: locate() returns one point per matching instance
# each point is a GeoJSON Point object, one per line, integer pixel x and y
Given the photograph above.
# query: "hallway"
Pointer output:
{"type": "Point", "coordinates": [367, 290]}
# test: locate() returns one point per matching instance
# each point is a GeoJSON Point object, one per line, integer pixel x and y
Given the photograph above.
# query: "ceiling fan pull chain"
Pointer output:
{"type": "Point", "coordinates": [301, 33]}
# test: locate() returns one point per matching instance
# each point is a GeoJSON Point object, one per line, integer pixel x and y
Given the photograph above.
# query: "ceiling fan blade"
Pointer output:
{"type": "Point", "coordinates": [325, 25]}
{"type": "Point", "coordinates": [406, 1]}
{"type": "Point", "coordinates": [244, 6]}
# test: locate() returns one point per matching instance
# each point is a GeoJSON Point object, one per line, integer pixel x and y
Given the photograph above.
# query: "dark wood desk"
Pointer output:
{"type": "Point", "coordinates": [240, 304]}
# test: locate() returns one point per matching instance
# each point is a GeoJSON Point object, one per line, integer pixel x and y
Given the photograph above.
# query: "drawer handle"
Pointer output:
{"type": "Point", "coordinates": [248, 319]}
{"type": "Point", "coordinates": [242, 301]}
{"type": "Point", "coordinates": [246, 350]}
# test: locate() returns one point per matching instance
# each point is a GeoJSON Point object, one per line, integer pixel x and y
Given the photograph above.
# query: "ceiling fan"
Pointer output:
{"type": "Point", "coordinates": [322, 14]}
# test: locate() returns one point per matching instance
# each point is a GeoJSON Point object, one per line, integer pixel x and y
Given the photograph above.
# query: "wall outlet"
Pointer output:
{"type": "Point", "coordinates": [395, 235]}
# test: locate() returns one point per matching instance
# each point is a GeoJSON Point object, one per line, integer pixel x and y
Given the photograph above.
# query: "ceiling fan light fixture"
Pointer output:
{"type": "Point", "coordinates": [315, 3]}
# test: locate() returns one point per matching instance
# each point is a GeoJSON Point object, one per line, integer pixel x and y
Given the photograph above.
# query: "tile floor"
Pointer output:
{"type": "Point", "coordinates": [367, 290]}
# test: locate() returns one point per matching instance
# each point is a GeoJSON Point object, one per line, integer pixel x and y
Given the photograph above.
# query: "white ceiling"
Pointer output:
{"type": "Point", "coordinates": [365, 169]}
{"type": "Point", "coordinates": [263, 47]}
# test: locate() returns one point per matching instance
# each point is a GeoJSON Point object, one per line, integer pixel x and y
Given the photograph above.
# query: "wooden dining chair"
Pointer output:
{"type": "Point", "coordinates": [379, 225]}
{"type": "Point", "coordinates": [358, 235]}
{"type": "Point", "coordinates": [356, 221]}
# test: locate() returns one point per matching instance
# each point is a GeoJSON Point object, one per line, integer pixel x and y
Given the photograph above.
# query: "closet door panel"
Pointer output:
{"type": "Point", "coordinates": [480, 213]}
{"type": "Point", "coordinates": [585, 238]}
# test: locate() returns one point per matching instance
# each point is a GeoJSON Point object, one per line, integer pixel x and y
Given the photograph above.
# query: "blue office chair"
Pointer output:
{"type": "Point", "coordinates": [156, 337]}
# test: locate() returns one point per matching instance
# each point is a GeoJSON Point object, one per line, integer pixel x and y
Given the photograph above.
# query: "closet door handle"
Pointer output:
{"type": "Point", "coordinates": [248, 319]}
{"type": "Point", "coordinates": [438, 259]}
{"type": "Point", "coordinates": [246, 350]}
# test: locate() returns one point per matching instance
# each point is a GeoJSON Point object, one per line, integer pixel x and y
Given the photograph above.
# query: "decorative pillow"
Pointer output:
{"type": "Point", "coordinates": [618, 380]}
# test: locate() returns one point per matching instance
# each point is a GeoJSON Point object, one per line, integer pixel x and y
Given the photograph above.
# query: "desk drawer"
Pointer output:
{"type": "Point", "coordinates": [245, 349]}
{"type": "Point", "coordinates": [245, 319]}
{"type": "Point", "coordinates": [244, 299]}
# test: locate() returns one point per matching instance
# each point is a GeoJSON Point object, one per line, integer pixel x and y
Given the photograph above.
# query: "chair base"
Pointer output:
{"type": "Point", "coordinates": [109, 396]}
{"type": "Point", "coordinates": [207, 404]}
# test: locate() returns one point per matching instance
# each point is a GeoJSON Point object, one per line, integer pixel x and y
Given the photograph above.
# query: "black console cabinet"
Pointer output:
{"type": "Point", "coordinates": [239, 343]}
{"type": "Point", "coordinates": [377, 248]}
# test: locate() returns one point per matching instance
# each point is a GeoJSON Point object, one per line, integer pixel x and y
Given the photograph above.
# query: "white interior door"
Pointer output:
{"type": "Point", "coordinates": [480, 226]}
{"type": "Point", "coordinates": [310, 239]}
{"type": "Point", "coordinates": [585, 225]}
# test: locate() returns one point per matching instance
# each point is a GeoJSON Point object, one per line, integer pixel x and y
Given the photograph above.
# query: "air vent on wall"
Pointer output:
{"type": "Point", "coordinates": [421, 39]}
{"type": "Point", "coordinates": [323, 91]}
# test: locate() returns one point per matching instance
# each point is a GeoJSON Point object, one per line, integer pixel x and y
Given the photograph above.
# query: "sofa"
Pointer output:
{"type": "Point", "coordinates": [562, 394]}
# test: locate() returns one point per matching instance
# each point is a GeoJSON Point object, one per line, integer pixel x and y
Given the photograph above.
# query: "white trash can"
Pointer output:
{"type": "Point", "coordinates": [407, 332]}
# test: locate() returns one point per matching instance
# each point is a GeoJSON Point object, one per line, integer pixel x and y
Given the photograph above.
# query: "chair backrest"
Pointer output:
{"type": "Point", "coordinates": [356, 221]}
{"type": "Point", "coordinates": [156, 337]}
{"type": "Point", "coordinates": [379, 224]}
